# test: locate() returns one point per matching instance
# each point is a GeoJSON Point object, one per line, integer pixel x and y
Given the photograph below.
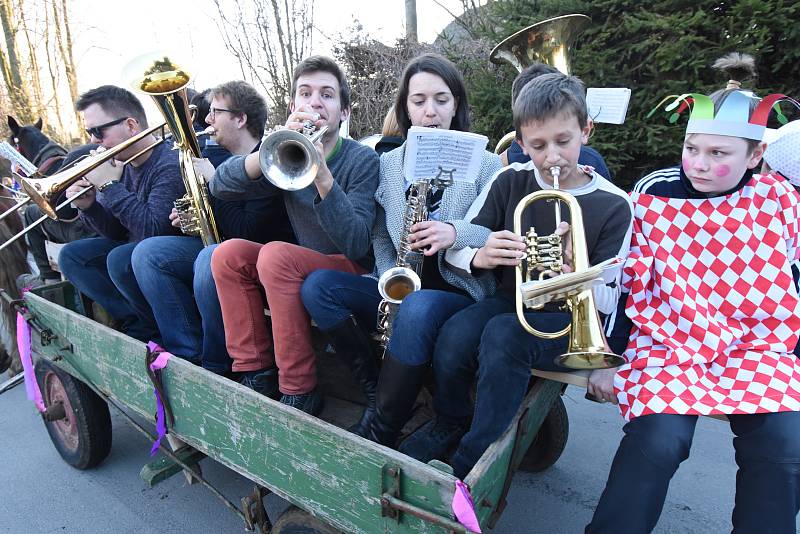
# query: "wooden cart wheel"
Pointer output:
{"type": "Point", "coordinates": [549, 443]}
{"type": "Point", "coordinates": [293, 520]}
{"type": "Point", "coordinates": [81, 432]}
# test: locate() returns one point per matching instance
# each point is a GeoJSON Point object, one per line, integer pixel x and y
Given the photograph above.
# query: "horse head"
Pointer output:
{"type": "Point", "coordinates": [30, 140]}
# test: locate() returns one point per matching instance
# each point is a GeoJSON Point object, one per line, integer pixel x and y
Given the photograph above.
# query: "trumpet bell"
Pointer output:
{"type": "Point", "coordinates": [397, 283]}
{"type": "Point", "coordinates": [289, 159]}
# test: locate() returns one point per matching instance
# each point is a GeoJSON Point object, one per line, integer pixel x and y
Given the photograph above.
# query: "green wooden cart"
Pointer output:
{"type": "Point", "coordinates": [336, 481]}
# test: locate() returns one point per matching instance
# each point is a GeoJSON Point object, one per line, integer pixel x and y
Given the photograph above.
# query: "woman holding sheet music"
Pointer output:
{"type": "Point", "coordinates": [431, 94]}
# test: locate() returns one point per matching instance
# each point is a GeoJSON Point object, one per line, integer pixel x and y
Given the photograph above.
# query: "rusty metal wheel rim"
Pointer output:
{"type": "Point", "coordinates": [66, 428]}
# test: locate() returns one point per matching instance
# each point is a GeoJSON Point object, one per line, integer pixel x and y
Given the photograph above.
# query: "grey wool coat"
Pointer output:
{"type": "Point", "coordinates": [456, 200]}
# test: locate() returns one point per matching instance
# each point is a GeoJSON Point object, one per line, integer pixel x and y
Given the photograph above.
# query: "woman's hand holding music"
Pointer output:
{"type": "Point", "coordinates": [501, 248]}
{"type": "Point", "coordinates": [432, 236]}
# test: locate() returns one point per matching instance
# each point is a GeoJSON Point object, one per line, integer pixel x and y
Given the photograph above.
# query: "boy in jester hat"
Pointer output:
{"type": "Point", "coordinates": [707, 322]}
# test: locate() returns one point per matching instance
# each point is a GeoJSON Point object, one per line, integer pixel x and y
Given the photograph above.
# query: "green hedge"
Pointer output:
{"type": "Point", "coordinates": [655, 48]}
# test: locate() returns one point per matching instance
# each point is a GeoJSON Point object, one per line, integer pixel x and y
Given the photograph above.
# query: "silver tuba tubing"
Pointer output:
{"type": "Point", "coordinates": [289, 160]}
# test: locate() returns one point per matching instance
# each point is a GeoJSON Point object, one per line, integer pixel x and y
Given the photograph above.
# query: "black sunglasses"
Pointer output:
{"type": "Point", "coordinates": [97, 131]}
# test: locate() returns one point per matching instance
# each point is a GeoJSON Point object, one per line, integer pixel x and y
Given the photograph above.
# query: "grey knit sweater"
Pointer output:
{"type": "Point", "coordinates": [456, 200]}
{"type": "Point", "coordinates": [338, 224]}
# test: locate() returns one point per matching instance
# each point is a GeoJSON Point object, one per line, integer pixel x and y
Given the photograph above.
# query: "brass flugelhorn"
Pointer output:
{"type": "Point", "coordinates": [549, 41]}
{"type": "Point", "coordinates": [288, 158]}
{"type": "Point", "coordinates": [588, 348]}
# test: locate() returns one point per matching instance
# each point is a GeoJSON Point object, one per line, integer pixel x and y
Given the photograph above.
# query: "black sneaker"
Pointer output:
{"type": "Point", "coordinates": [264, 381]}
{"type": "Point", "coordinates": [310, 402]}
{"type": "Point", "coordinates": [435, 438]}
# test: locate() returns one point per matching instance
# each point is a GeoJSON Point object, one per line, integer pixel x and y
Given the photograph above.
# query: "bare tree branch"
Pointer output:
{"type": "Point", "coordinates": [268, 38]}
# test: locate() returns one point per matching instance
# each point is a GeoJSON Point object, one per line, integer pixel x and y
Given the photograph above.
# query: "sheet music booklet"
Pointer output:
{"type": "Point", "coordinates": [608, 104]}
{"type": "Point", "coordinates": [8, 152]}
{"type": "Point", "coordinates": [430, 149]}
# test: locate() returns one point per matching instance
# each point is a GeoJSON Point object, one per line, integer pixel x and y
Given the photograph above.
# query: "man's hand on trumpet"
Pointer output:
{"type": "Point", "coordinates": [85, 200]}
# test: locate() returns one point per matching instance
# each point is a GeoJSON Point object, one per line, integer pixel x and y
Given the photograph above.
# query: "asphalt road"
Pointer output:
{"type": "Point", "coordinates": [40, 493]}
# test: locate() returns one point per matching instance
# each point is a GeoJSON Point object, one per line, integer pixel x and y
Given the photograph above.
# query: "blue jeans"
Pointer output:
{"type": "Point", "coordinates": [486, 338]}
{"type": "Point", "coordinates": [174, 274]}
{"type": "Point", "coordinates": [767, 483]}
{"type": "Point", "coordinates": [332, 296]}
{"type": "Point", "coordinates": [418, 321]}
{"type": "Point", "coordinates": [101, 269]}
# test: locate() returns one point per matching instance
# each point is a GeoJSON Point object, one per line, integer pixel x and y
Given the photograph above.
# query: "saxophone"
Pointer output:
{"type": "Point", "coordinates": [404, 278]}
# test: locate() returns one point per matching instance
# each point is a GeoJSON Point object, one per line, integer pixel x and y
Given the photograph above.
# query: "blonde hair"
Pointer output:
{"type": "Point", "coordinates": [390, 127]}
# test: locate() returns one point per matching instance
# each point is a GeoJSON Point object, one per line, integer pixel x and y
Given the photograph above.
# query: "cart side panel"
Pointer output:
{"type": "Point", "coordinates": [487, 478]}
{"type": "Point", "coordinates": [321, 468]}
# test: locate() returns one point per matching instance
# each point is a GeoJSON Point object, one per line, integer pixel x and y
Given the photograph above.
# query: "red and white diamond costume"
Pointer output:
{"type": "Point", "coordinates": [713, 302]}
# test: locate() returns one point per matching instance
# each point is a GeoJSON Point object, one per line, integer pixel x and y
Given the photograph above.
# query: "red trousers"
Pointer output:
{"type": "Point", "coordinates": [245, 272]}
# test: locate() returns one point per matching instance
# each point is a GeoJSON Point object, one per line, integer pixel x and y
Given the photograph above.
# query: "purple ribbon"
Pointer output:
{"type": "Point", "coordinates": [161, 424]}
{"type": "Point", "coordinates": [464, 508]}
{"type": "Point", "coordinates": [24, 345]}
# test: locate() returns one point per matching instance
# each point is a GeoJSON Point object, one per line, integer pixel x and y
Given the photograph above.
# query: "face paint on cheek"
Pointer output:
{"type": "Point", "coordinates": [721, 171]}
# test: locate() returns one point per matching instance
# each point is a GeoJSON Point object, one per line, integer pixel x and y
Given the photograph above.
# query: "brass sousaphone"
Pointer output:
{"type": "Point", "coordinates": [549, 42]}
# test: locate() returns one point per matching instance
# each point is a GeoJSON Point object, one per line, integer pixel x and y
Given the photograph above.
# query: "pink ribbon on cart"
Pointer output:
{"type": "Point", "coordinates": [464, 508]}
{"type": "Point", "coordinates": [24, 345]}
{"type": "Point", "coordinates": [161, 423]}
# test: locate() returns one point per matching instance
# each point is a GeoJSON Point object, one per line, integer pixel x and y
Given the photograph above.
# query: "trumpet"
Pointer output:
{"type": "Point", "coordinates": [588, 348]}
{"type": "Point", "coordinates": [288, 159]}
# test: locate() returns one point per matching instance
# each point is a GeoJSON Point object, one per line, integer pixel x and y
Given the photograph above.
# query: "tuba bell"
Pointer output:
{"type": "Point", "coordinates": [166, 84]}
{"type": "Point", "coordinates": [288, 158]}
{"type": "Point", "coordinates": [549, 42]}
{"type": "Point", "coordinates": [588, 348]}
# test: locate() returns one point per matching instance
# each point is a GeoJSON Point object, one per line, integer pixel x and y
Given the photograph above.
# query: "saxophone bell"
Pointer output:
{"type": "Point", "coordinates": [397, 283]}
